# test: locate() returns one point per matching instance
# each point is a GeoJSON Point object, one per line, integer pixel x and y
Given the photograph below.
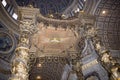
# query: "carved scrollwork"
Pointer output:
{"type": "Point", "coordinates": [29, 27]}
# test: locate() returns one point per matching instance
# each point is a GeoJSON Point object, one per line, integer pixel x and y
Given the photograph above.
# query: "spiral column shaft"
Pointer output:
{"type": "Point", "coordinates": [28, 27]}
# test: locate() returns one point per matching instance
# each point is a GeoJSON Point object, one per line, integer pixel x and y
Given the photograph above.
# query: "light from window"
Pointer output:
{"type": "Point", "coordinates": [77, 10]}
{"type": "Point", "coordinates": [15, 16]}
{"type": "Point", "coordinates": [4, 3]}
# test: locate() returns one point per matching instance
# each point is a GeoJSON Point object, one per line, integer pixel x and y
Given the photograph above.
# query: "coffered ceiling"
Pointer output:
{"type": "Point", "coordinates": [108, 23]}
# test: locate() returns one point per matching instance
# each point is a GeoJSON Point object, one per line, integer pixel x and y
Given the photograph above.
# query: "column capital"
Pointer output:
{"type": "Point", "coordinates": [28, 19]}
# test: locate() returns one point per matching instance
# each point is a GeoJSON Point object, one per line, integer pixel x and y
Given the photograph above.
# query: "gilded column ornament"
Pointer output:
{"type": "Point", "coordinates": [90, 32]}
{"type": "Point", "coordinates": [28, 27]}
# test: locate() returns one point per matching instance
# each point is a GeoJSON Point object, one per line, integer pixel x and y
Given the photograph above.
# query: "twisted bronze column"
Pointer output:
{"type": "Point", "coordinates": [28, 27]}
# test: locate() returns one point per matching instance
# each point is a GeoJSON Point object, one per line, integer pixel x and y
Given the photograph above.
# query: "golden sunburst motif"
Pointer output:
{"type": "Point", "coordinates": [55, 40]}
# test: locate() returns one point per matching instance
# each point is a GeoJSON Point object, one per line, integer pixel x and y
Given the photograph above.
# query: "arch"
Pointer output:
{"type": "Point", "coordinates": [8, 40]}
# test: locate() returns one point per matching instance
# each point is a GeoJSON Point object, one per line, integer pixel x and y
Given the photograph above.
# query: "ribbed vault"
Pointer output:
{"type": "Point", "coordinates": [47, 6]}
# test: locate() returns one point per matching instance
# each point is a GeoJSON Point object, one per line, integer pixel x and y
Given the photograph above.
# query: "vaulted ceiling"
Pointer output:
{"type": "Point", "coordinates": [47, 6]}
{"type": "Point", "coordinates": [48, 68]}
{"type": "Point", "coordinates": [108, 23]}
{"type": "Point", "coordinates": [106, 12]}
